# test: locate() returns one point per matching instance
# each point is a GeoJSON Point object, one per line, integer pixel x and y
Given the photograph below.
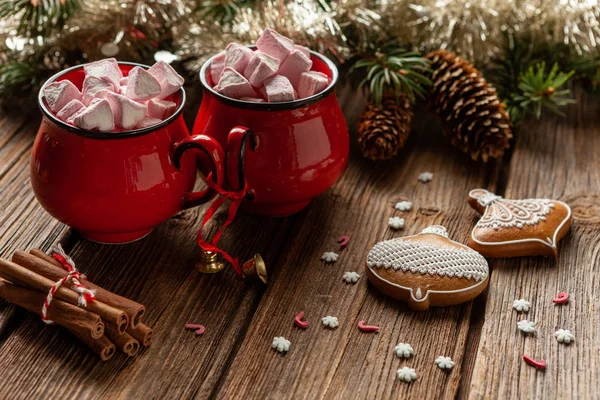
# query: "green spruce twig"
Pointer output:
{"type": "Point", "coordinates": [223, 11]}
{"type": "Point", "coordinates": [37, 17]}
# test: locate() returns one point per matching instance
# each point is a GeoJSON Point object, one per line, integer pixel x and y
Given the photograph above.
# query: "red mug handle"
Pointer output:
{"type": "Point", "coordinates": [211, 148]}
{"type": "Point", "coordinates": [236, 147]}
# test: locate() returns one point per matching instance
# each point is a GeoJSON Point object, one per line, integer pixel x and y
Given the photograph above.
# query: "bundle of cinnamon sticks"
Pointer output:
{"type": "Point", "coordinates": [107, 323]}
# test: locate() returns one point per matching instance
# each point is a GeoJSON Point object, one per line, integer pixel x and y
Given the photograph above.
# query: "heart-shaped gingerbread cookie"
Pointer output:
{"type": "Point", "coordinates": [427, 269]}
{"type": "Point", "coordinates": [514, 228]}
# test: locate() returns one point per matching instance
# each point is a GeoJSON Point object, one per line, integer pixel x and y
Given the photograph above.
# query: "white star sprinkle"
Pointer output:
{"type": "Point", "coordinates": [444, 362]}
{"type": "Point", "coordinates": [521, 305]}
{"type": "Point", "coordinates": [564, 336]}
{"type": "Point", "coordinates": [351, 277]}
{"type": "Point", "coordinates": [425, 177]}
{"type": "Point", "coordinates": [403, 206]}
{"type": "Point", "coordinates": [281, 344]}
{"type": "Point", "coordinates": [330, 322]}
{"type": "Point", "coordinates": [329, 257]}
{"type": "Point", "coordinates": [406, 374]}
{"type": "Point", "coordinates": [526, 326]}
{"type": "Point", "coordinates": [396, 222]}
{"type": "Point", "coordinates": [404, 350]}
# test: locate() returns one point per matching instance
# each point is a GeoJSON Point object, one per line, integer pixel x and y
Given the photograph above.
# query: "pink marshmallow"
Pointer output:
{"type": "Point", "coordinates": [123, 90]}
{"type": "Point", "coordinates": [294, 65]}
{"type": "Point", "coordinates": [312, 83]}
{"type": "Point", "coordinates": [278, 89]}
{"type": "Point", "coordinates": [170, 81]}
{"type": "Point", "coordinates": [58, 94]}
{"type": "Point", "coordinates": [253, 99]}
{"type": "Point", "coordinates": [216, 68]}
{"type": "Point", "coordinates": [123, 81]}
{"type": "Point", "coordinates": [237, 57]}
{"type": "Point", "coordinates": [69, 109]}
{"type": "Point", "coordinates": [141, 85]}
{"type": "Point", "coordinates": [234, 85]}
{"type": "Point", "coordinates": [275, 45]}
{"type": "Point", "coordinates": [160, 108]}
{"type": "Point", "coordinates": [94, 87]}
{"type": "Point", "coordinates": [304, 50]}
{"type": "Point", "coordinates": [127, 113]}
{"type": "Point", "coordinates": [97, 116]}
{"type": "Point", "coordinates": [147, 122]}
{"type": "Point", "coordinates": [262, 66]}
{"type": "Point", "coordinates": [108, 70]}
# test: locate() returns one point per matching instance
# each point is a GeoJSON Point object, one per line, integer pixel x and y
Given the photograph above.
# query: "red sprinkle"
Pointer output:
{"type": "Point", "coordinates": [193, 326]}
{"type": "Point", "coordinates": [343, 241]}
{"type": "Point", "coordinates": [367, 328]}
{"type": "Point", "coordinates": [298, 321]}
{"type": "Point", "coordinates": [538, 364]}
{"type": "Point", "coordinates": [562, 297]}
{"type": "Point", "coordinates": [200, 330]}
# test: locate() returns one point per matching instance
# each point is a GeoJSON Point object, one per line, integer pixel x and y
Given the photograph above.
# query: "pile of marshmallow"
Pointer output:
{"type": "Point", "coordinates": [277, 71]}
{"type": "Point", "coordinates": [109, 101]}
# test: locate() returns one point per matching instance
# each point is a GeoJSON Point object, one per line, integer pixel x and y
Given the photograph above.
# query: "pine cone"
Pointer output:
{"type": "Point", "coordinates": [472, 115]}
{"type": "Point", "coordinates": [382, 130]}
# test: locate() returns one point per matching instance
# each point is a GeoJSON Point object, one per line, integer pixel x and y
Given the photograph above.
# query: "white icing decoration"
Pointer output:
{"type": "Point", "coordinates": [564, 336]}
{"type": "Point", "coordinates": [424, 259]}
{"type": "Point", "coordinates": [437, 230]}
{"type": "Point", "coordinates": [444, 362]}
{"type": "Point", "coordinates": [329, 257]}
{"type": "Point", "coordinates": [403, 206]}
{"type": "Point", "coordinates": [418, 294]}
{"type": "Point", "coordinates": [406, 374]}
{"type": "Point", "coordinates": [351, 277]}
{"type": "Point", "coordinates": [330, 322]}
{"type": "Point", "coordinates": [526, 326]}
{"type": "Point", "coordinates": [404, 350]}
{"type": "Point", "coordinates": [396, 222]}
{"type": "Point", "coordinates": [521, 305]}
{"type": "Point", "coordinates": [425, 177]}
{"type": "Point", "coordinates": [281, 344]}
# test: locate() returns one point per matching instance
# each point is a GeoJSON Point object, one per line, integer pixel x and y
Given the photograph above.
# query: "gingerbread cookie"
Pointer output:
{"type": "Point", "coordinates": [427, 269]}
{"type": "Point", "coordinates": [513, 228]}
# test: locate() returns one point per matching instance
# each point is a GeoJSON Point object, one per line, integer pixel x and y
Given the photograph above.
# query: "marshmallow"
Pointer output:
{"type": "Point", "coordinates": [160, 108]}
{"type": "Point", "coordinates": [58, 94]}
{"type": "Point", "coordinates": [312, 83]}
{"type": "Point", "coordinates": [237, 57]}
{"type": "Point", "coordinates": [304, 50]}
{"type": "Point", "coordinates": [147, 122]}
{"type": "Point", "coordinates": [123, 81]}
{"type": "Point", "coordinates": [108, 70]}
{"type": "Point", "coordinates": [262, 66]}
{"type": "Point", "coordinates": [234, 85]}
{"type": "Point", "coordinates": [253, 99]}
{"type": "Point", "coordinates": [141, 85]}
{"type": "Point", "coordinates": [277, 89]}
{"type": "Point", "coordinates": [216, 68]}
{"type": "Point", "coordinates": [69, 109]}
{"type": "Point", "coordinates": [123, 90]}
{"type": "Point", "coordinates": [294, 65]}
{"type": "Point", "coordinates": [274, 44]}
{"type": "Point", "coordinates": [170, 81]}
{"type": "Point", "coordinates": [94, 87]}
{"type": "Point", "coordinates": [127, 113]}
{"type": "Point", "coordinates": [97, 116]}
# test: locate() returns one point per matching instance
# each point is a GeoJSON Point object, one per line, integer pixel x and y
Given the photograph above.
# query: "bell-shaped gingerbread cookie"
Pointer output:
{"type": "Point", "coordinates": [427, 269]}
{"type": "Point", "coordinates": [514, 228]}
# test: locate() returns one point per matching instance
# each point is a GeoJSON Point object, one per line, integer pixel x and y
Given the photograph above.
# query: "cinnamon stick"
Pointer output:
{"type": "Point", "coordinates": [124, 342]}
{"type": "Point", "coordinates": [77, 320]}
{"type": "Point", "coordinates": [142, 333]}
{"type": "Point", "coordinates": [22, 276]}
{"type": "Point", "coordinates": [43, 264]}
{"type": "Point", "coordinates": [103, 347]}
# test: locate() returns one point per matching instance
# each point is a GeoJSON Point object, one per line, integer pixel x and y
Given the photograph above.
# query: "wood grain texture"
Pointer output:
{"type": "Point", "coordinates": [558, 159]}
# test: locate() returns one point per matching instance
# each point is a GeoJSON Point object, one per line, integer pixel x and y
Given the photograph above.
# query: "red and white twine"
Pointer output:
{"type": "Point", "coordinates": [85, 295]}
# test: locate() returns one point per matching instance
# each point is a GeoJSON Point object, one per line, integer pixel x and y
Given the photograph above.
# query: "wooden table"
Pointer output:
{"type": "Point", "coordinates": [556, 158]}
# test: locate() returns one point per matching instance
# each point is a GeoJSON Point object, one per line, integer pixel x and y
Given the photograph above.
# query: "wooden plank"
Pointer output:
{"type": "Point", "coordinates": [555, 158]}
{"type": "Point", "coordinates": [346, 363]}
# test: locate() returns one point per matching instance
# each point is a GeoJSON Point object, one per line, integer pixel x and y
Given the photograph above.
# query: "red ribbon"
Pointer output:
{"type": "Point", "coordinates": [236, 199]}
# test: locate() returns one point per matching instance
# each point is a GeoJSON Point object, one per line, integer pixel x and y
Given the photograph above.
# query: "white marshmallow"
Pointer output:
{"type": "Point", "coordinates": [141, 85]}
{"type": "Point", "coordinates": [160, 108]}
{"type": "Point", "coordinates": [69, 109]}
{"type": "Point", "coordinates": [234, 85]}
{"type": "Point", "coordinates": [127, 113]}
{"type": "Point", "coordinates": [58, 94]}
{"type": "Point", "coordinates": [294, 65]}
{"type": "Point", "coordinates": [303, 49]}
{"type": "Point", "coordinates": [108, 70]}
{"type": "Point", "coordinates": [170, 81]}
{"type": "Point", "coordinates": [237, 57]}
{"type": "Point", "coordinates": [147, 122]}
{"type": "Point", "coordinates": [275, 45]}
{"type": "Point", "coordinates": [95, 87]}
{"type": "Point", "coordinates": [311, 83]}
{"type": "Point", "coordinates": [253, 99]}
{"type": "Point", "coordinates": [262, 66]}
{"type": "Point", "coordinates": [216, 68]}
{"type": "Point", "coordinates": [97, 116]}
{"type": "Point", "coordinates": [123, 90]}
{"type": "Point", "coordinates": [123, 81]}
{"type": "Point", "coordinates": [278, 89]}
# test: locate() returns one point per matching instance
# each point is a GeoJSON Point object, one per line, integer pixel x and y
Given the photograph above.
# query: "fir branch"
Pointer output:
{"type": "Point", "coordinates": [38, 17]}
{"type": "Point", "coordinates": [223, 11]}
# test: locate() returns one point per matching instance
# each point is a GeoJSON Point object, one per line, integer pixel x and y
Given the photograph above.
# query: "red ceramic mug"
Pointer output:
{"type": "Point", "coordinates": [299, 148]}
{"type": "Point", "coordinates": [116, 187]}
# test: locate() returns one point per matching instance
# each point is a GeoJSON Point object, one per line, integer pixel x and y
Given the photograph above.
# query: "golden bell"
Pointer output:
{"type": "Point", "coordinates": [255, 268]}
{"type": "Point", "coordinates": [209, 263]}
